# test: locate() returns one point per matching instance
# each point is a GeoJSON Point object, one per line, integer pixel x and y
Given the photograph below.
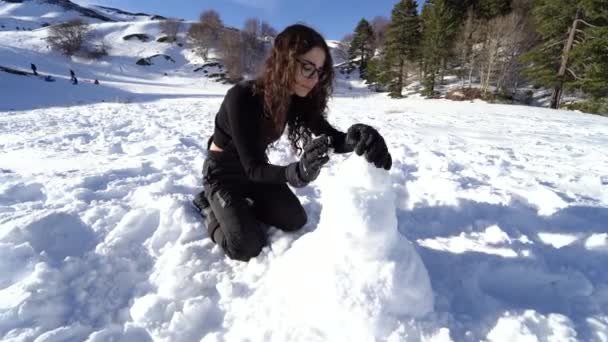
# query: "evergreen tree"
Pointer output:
{"type": "Point", "coordinates": [362, 45]}
{"type": "Point", "coordinates": [402, 44]}
{"type": "Point", "coordinates": [378, 76]}
{"type": "Point", "coordinates": [439, 26]}
{"type": "Point", "coordinates": [590, 61]}
{"type": "Point", "coordinates": [483, 9]}
{"type": "Point", "coordinates": [573, 49]}
{"type": "Point", "coordinates": [488, 9]}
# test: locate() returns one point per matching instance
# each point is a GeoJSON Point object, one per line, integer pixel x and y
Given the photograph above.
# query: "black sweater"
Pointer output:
{"type": "Point", "coordinates": [241, 128]}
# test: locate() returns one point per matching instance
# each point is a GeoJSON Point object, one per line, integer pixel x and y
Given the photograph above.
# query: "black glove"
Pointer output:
{"type": "Point", "coordinates": [308, 168]}
{"type": "Point", "coordinates": [366, 140]}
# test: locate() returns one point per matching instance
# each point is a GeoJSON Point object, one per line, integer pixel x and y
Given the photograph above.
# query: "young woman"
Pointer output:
{"type": "Point", "coordinates": [243, 192]}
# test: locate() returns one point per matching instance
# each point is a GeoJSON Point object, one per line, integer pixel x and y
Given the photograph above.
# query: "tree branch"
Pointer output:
{"type": "Point", "coordinates": [552, 45]}
{"type": "Point", "coordinates": [586, 23]}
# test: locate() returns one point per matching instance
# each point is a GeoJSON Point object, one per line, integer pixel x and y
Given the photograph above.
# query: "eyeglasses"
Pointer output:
{"type": "Point", "coordinates": [309, 69]}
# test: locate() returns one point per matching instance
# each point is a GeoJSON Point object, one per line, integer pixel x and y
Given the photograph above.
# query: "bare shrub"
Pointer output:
{"type": "Point", "coordinates": [230, 49]}
{"type": "Point", "coordinates": [68, 37]}
{"type": "Point", "coordinates": [205, 34]}
{"type": "Point", "coordinates": [253, 45]}
{"type": "Point", "coordinates": [170, 28]}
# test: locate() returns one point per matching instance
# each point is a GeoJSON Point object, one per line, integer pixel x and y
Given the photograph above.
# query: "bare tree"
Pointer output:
{"type": "Point", "coordinates": [170, 28]}
{"type": "Point", "coordinates": [206, 33]}
{"type": "Point", "coordinates": [211, 18]}
{"type": "Point", "coordinates": [505, 42]}
{"type": "Point", "coordinates": [252, 27]}
{"type": "Point", "coordinates": [67, 37]}
{"type": "Point", "coordinates": [231, 51]}
{"type": "Point", "coordinates": [253, 45]}
{"type": "Point", "coordinates": [520, 37]}
{"type": "Point", "coordinates": [342, 49]}
{"type": "Point", "coordinates": [467, 47]}
{"type": "Point", "coordinates": [379, 25]}
{"type": "Point", "coordinates": [267, 31]}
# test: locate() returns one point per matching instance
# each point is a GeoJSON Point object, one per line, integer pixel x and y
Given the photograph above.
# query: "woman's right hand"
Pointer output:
{"type": "Point", "coordinates": [308, 168]}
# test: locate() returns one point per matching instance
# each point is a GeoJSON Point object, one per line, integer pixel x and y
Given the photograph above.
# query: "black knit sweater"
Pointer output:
{"type": "Point", "coordinates": [241, 128]}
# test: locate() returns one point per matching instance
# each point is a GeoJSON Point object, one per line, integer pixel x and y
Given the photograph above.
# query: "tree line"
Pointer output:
{"type": "Point", "coordinates": [494, 45]}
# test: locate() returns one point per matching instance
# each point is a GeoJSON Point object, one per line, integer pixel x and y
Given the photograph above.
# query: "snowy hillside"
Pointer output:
{"type": "Point", "coordinates": [120, 15]}
{"type": "Point", "coordinates": [119, 74]}
{"type": "Point", "coordinates": [175, 69]}
{"type": "Point", "coordinates": [492, 224]}
{"type": "Point", "coordinates": [33, 14]}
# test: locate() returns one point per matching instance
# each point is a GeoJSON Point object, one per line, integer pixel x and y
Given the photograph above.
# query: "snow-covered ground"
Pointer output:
{"type": "Point", "coordinates": [492, 224]}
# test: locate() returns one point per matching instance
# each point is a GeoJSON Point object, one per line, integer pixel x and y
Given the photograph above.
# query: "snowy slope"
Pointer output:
{"type": "Point", "coordinates": [121, 79]}
{"type": "Point", "coordinates": [119, 76]}
{"type": "Point", "coordinates": [505, 208]}
{"type": "Point", "coordinates": [33, 14]}
{"type": "Point", "coordinates": [121, 15]}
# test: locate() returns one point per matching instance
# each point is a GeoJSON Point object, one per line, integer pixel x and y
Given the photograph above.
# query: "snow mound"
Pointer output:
{"type": "Point", "coordinates": [356, 266]}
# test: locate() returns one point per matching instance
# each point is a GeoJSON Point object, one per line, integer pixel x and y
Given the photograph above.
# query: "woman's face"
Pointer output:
{"type": "Point", "coordinates": [308, 71]}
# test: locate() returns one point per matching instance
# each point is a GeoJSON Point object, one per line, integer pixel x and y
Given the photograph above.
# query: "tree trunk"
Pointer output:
{"type": "Point", "coordinates": [400, 77]}
{"type": "Point", "coordinates": [491, 62]}
{"type": "Point", "coordinates": [443, 67]}
{"type": "Point", "coordinates": [471, 68]}
{"type": "Point", "coordinates": [557, 91]}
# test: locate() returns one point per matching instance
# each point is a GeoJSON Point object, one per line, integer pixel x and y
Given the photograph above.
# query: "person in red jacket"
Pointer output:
{"type": "Point", "coordinates": [243, 193]}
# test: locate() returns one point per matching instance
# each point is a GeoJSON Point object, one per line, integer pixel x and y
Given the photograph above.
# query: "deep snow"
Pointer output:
{"type": "Point", "coordinates": [504, 208]}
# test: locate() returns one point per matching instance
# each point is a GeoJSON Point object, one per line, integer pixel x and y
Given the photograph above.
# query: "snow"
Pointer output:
{"type": "Point", "coordinates": [491, 225]}
{"type": "Point", "coordinates": [31, 14]}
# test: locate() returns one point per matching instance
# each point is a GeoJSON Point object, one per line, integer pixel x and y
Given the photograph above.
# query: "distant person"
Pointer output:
{"type": "Point", "coordinates": [33, 66]}
{"type": "Point", "coordinates": [73, 78]}
{"type": "Point", "coordinates": [96, 81]}
{"type": "Point", "coordinates": [242, 191]}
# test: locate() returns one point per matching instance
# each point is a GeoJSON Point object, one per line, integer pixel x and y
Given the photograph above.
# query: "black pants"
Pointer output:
{"type": "Point", "coordinates": [244, 208]}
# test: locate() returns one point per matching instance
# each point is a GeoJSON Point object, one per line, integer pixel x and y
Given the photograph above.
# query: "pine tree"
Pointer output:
{"type": "Point", "coordinates": [439, 26]}
{"type": "Point", "coordinates": [402, 44]}
{"type": "Point", "coordinates": [573, 52]}
{"type": "Point", "coordinates": [378, 75]}
{"type": "Point", "coordinates": [488, 9]}
{"type": "Point", "coordinates": [590, 60]}
{"type": "Point", "coordinates": [362, 45]}
{"type": "Point", "coordinates": [483, 9]}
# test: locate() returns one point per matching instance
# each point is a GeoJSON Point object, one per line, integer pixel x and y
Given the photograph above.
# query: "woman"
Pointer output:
{"type": "Point", "coordinates": [243, 192]}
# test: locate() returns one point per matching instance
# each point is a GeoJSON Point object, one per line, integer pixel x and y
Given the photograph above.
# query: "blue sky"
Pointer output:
{"type": "Point", "coordinates": [333, 19]}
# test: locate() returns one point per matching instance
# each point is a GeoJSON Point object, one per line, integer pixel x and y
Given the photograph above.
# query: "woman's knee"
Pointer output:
{"type": "Point", "coordinates": [296, 219]}
{"type": "Point", "coordinates": [243, 248]}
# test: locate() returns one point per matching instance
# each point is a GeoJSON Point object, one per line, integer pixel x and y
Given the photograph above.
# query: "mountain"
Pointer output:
{"type": "Point", "coordinates": [33, 14]}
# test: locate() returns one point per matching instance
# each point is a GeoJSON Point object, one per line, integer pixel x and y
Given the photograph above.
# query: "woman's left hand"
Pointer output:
{"type": "Point", "coordinates": [366, 140]}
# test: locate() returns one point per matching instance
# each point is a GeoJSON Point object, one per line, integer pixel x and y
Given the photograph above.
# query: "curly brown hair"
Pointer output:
{"type": "Point", "coordinates": [278, 76]}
